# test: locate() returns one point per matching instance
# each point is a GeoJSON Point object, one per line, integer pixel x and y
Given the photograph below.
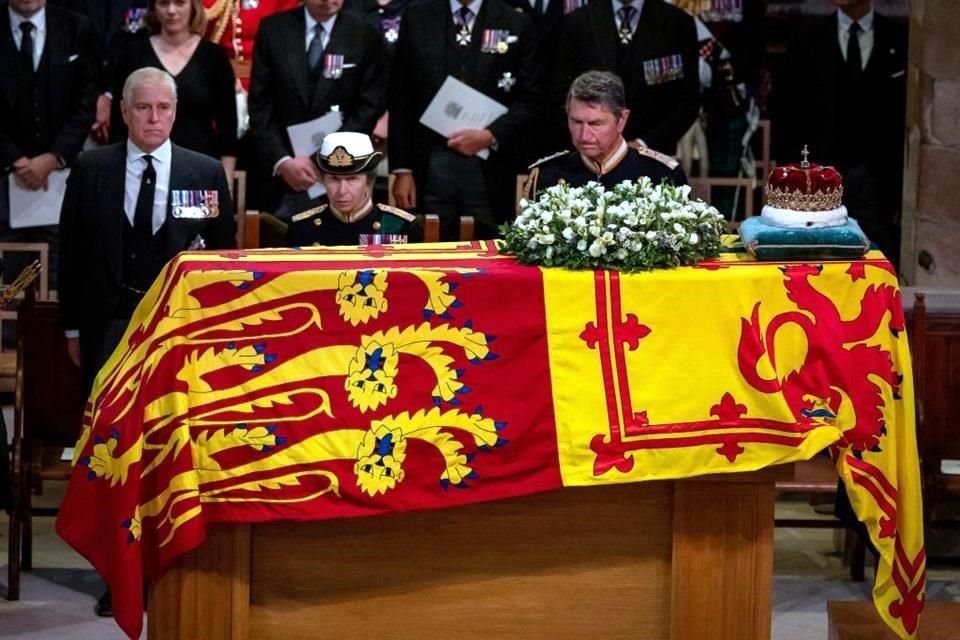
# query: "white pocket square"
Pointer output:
{"type": "Point", "coordinates": [349, 65]}
{"type": "Point", "coordinates": [897, 74]}
{"type": "Point", "coordinates": [73, 57]}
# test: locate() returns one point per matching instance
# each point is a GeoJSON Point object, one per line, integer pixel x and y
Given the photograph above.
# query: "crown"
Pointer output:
{"type": "Point", "coordinates": [804, 187]}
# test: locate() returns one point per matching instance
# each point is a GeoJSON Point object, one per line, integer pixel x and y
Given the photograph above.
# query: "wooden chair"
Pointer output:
{"type": "Point", "coordinates": [8, 316]}
{"type": "Point", "coordinates": [48, 412]}
{"type": "Point", "coordinates": [859, 621]}
{"type": "Point", "coordinates": [251, 234]}
{"type": "Point", "coordinates": [239, 191]}
{"type": "Point", "coordinates": [518, 191]}
{"type": "Point", "coordinates": [765, 164]}
{"type": "Point", "coordinates": [429, 234]}
{"type": "Point", "coordinates": [702, 188]}
{"type": "Point", "coordinates": [935, 342]}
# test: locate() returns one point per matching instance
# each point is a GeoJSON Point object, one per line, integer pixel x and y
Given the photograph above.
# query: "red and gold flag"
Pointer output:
{"type": "Point", "coordinates": [302, 385]}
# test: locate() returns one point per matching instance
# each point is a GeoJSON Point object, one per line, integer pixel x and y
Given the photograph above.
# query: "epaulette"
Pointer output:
{"type": "Point", "coordinates": [662, 158]}
{"type": "Point", "coordinates": [400, 213]}
{"type": "Point", "coordinates": [309, 213]}
{"type": "Point", "coordinates": [548, 158]}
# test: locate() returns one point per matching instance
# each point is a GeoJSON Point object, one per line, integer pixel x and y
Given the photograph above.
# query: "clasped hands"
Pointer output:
{"type": "Point", "coordinates": [32, 173]}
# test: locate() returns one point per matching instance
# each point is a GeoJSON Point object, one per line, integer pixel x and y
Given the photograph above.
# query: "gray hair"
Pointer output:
{"type": "Point", "coordinates": [148, 76]}
{"type": "Point", "coordinates": [599, 87]}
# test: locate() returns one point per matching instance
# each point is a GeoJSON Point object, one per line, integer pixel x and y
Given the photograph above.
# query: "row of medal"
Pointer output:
{"type": "Point", "coordinates": [195, 203]}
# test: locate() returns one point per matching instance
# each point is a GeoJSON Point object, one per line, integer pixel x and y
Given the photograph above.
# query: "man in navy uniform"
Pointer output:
{"type": "Point", "coordinates": [596, 117]}
{"type": "Point", "coordinates": [348, 215]}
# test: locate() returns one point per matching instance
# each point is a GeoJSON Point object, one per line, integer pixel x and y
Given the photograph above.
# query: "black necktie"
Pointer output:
{"type": "Point", "coordinates": [315, 52]}
{"type": "Point", "coordinates": [854, 62]}
{"type": "Point", "coordinates": [26, 48]}
{"type": "Point", "coordinates": [143, 213]}
{"type": "Point", "coordinates": [26, 112]}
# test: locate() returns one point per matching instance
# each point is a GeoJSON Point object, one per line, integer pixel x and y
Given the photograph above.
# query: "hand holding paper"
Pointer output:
{"type": "Point", "coordinates": [37, 208]}
{"type": "Point", "coordinates": [306, 138]}
{"type": "Point", "coordinates": [458, 108]}
{"type": "Point", "coordinates": [470, 141]}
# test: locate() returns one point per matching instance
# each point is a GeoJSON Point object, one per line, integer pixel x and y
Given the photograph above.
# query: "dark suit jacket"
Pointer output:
{"type": "Point", "coordinates": [65, 76]}
{"type": "Point", "coordinates": [107, 18]}
{"type": "Point", "coordinates": [845, 123]}
{"type": "Point", "coordinates": [280, 94]}
{"type": "Point", "coordinates": [91, 233]}
{"type": "Point", "coordinates": [426, 52]}
{"type": "Point", "coordinates": [660, 113]}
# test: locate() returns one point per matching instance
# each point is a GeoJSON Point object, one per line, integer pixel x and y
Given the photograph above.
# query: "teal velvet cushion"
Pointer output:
{"type": "Point", "coordinates": [767, 242]}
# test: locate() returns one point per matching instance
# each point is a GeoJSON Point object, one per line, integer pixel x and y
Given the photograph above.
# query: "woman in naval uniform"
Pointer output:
{"type": "Point", "coordinates": [347, 215]}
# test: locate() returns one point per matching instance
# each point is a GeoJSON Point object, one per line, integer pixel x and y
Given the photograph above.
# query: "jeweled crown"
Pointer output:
{"type": "Point", "coordinates": [804, 187]}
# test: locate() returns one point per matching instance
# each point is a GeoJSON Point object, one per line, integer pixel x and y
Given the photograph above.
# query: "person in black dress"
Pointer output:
{"type": "Point", "coordinates": [347, 215]}
{"type": "Point", "coordinates": [206, 104]}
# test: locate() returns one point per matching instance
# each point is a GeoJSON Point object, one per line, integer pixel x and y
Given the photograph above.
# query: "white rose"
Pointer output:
{"type": "Point", "coordinates": [582, 245]}
{"type": "Point", "coordinates": [597, 249]}
{"type": "Point", "coordinates": [694, 238]}
{"type": "Point", "coordinates": [545, 238]}
{"type": "Point", "coordinates": [568, 233]}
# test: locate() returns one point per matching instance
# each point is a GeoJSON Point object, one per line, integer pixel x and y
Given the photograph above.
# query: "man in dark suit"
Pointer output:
{"type": "Point", "coordinates": [653, 47]}
{"type": "Point", "coordinates": [306, 62]}
{"type": "Point", "coordinates": [129, 208]}
{"type": "Point", "coordinates": [115, 23]}
{"type": "Point", "coordinates": [843, 93]}
{"type": "Point", "coordinates": [491, 47]}
{"type": "Point", "coordinates": [47, 93]}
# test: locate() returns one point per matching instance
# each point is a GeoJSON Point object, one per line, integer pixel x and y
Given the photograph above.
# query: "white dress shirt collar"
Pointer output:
{"type": "Point", "coordinates": [162, 163]}
{"type": "Point", "coordinates": [474, 6]}
{"type": "Point", "coordinates": [865, 38]}
{"type": "Point", "coordinates": [636, 4]}
{"type": "Point", "coordinates": [39, 20]}
{"type": "Point", "coordinates": [312, 23]}
{"type": "Point", "coordinates": [866, 22]}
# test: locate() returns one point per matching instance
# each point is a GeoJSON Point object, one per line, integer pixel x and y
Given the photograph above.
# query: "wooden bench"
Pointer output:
{"type": "Point", "coordinates": [860, 621]}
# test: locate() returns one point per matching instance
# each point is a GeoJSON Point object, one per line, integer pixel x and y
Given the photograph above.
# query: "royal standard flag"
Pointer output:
{"type": "Point", "coordinates": [302, 385]}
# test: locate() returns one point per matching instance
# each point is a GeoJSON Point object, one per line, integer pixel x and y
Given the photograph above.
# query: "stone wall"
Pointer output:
{"type": "Point", "coordinates": [930, 253]}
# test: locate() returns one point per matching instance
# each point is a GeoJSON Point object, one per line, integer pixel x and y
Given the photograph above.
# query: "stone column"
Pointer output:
{"type": "Point", "coordinates": [930, 254]}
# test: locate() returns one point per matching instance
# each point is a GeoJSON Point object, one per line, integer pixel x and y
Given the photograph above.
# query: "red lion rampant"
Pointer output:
{"type": "Point", "coordinates": [854, 369]}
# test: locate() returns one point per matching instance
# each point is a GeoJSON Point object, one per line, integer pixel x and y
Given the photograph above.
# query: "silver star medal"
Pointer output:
{"type": "Point", "coordinates": [506, 82]}
{"type": "Point", "coordinates": [198, 244]}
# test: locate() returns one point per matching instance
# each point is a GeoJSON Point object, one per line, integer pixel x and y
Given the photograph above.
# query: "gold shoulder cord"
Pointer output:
{"type": "Point", "coordinates": [220, 11]}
